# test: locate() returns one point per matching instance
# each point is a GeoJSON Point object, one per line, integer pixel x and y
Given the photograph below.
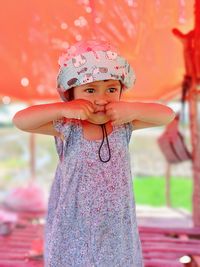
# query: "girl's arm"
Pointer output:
{"type": "Point", "coordinates": [38, 118]}
{"type": "Point", "coordinates": [142, 124]}
{"type": "Point", "coordinates": [141, 114]}
{"type": "Point", "coordinates": [151, 115]}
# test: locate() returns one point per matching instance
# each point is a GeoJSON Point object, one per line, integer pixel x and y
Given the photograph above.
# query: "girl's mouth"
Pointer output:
{"type": "Point", "coordinates": [100, 109]}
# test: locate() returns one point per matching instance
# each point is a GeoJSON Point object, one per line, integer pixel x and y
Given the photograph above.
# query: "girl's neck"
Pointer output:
{"type": "Point", "coordinates": [94, 131]}
{"type": "Point", "coordinates": [94, 125]}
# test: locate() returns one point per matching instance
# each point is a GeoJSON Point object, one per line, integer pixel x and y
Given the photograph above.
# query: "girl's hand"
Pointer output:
{"type": "Point", "coordinates": [120, 112]}
{"type": "Point", "coordinates": [151, 114]}
{"type": "Point", "coordinates": [77, 109]}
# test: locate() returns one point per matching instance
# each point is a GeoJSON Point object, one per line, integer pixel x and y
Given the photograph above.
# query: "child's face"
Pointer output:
{"type": "Point", "coordinates": [99, 93]}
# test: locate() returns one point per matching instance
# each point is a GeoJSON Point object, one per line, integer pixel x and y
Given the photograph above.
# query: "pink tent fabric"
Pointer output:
{"type": "Point", "coordinates": [34, 33]}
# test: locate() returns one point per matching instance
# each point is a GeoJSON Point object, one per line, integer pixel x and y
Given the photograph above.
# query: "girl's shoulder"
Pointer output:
{"type": "Point", "coordinates": [64, 126]}
{"type": "Point", "coordinates": [64, 122]}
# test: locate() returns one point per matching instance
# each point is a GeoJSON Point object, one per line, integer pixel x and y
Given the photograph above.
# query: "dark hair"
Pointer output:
{"type": "Point", "coordinates": [122, 86]}
{"type": "Point", "coordinates": [69, 94]}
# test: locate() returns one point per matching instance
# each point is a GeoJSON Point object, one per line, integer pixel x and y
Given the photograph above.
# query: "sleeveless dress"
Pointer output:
{"type": "Point", "coordinates": [91, 220]}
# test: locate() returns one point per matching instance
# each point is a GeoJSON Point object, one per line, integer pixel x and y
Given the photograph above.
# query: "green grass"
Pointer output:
{"type": "Point", "coordinates": [13, 163]}
{"type": "Point", "coordinates": [151, 191]}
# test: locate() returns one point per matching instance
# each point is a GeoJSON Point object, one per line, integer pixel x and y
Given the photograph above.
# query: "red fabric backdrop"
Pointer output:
{"type": "Point", "coordinates": [34, 33]}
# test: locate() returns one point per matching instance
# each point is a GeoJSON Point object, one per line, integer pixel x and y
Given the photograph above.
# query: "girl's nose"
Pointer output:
{"type": "Point", "coordinates": [101, 102]}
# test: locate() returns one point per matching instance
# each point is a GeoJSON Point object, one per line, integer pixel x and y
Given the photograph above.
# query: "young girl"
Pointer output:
{"type": "Point", "coordinates": [91, 218]}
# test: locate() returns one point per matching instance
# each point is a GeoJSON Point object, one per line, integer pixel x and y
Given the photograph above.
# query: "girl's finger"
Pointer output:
{"type": "Point", "coordinates": [91, 105]}
{"type": "Point", "coordinates": [86, 104]}
{"type": "Point", "coordinates": [111, 116]}
{"type": "Point", "coordinates": [109, 106]}
{"type": "Point", "coordinates": [83, 114]}
{"type": "Point", "coordinates": [88, 112]}
{"type": "Point", "coordinates": [84, 117]}
{"type": "Point", "coordinates": [91, 109]}
{"type": "Point", "coordinates": [109, 113]}
{"type": "Point", "coordinates": [86, 108]}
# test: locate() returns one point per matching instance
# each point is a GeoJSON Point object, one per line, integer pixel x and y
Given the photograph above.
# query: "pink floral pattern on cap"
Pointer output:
{"type": "Point", "coordinates": [91, 61]}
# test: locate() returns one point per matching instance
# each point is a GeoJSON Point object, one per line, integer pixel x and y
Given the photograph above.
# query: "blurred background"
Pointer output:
{"type": "Point", "coordinates": [35, 33]}
{"type": "Point", "coordinates": [148, 163]}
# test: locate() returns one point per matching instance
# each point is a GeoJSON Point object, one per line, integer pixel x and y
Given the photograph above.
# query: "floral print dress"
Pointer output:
{"type": "Point", "coordinates": [91, 220]}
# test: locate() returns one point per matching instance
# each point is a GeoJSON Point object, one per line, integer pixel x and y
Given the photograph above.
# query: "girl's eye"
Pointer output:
{"type": "Point", "coordinates": [89, 90]}
{"type": "Point", "coordinates": [112, 90]}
